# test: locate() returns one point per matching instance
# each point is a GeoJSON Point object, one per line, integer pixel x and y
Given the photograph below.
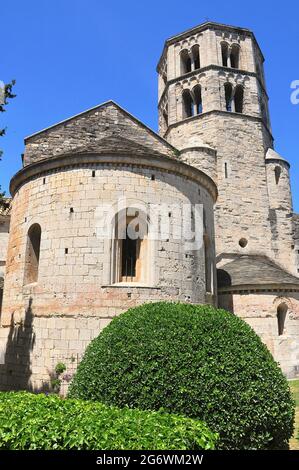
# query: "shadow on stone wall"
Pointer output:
{"type": "Point", "coordinates": [225, 299]}
{"type": "Point", "coordinates": [15, 370]}
{"type": "Point", "coordinates": [16, 358]}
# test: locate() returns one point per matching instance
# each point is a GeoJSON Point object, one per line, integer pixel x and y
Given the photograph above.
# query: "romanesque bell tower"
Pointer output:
{"type": "Point", "coordinates": [213, 107]}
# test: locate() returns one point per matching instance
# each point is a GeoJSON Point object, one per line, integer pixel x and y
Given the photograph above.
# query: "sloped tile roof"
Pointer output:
{"type": "Point", "coordinates": [250, 270]}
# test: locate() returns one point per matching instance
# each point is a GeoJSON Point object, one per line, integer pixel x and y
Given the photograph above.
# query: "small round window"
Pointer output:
{"type": "Point", "coordinates": [243, 242]}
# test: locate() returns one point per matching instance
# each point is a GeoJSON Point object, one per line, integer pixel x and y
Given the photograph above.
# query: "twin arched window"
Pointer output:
{"type": "Point", "coordinates": [192, 102]}
{"type": "Point", "coordinates": [234, 98]}
{"type": "Point", "coordinates": [190, 60]}
{"type": "Point", "coordinates": [32, 254]}
{"type": "Point", "coordinates": [230, 55]}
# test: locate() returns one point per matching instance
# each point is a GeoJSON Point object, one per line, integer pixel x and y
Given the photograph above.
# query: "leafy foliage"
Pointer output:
{"type": "Point", "coordinates": [29, 421]}
{"type": "Point", "coordinates": [195, 361]}
{"type": "Point", "coordinates": [5, 95]}
{"type": "Point", "coordinates": [60, 368]}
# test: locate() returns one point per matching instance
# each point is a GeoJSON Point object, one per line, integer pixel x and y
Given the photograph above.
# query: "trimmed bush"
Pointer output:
{"type": "Point", "coordinates": [196, 361]}
{"type": "Point", "coordinates": [32, 422]}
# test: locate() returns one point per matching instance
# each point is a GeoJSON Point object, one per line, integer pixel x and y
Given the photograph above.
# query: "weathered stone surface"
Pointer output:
{"type": "Point", "coordinates": [104, 154]}
{"type": "Point", "coordinates": [246, 270]}
{"type": "Point", "coordinates": [256, 232]}
{"type": "Point", "coordinates": [99, 127]}
{"type": "Point", "coordinates": [5, 207]}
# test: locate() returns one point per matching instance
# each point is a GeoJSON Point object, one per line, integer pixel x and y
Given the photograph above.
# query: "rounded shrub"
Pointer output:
{"type": "Point", "coordinates": [192, 360]}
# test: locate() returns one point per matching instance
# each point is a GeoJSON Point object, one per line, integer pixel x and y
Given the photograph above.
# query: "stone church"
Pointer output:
{"type": "Point", "coordinates": [64, 282]}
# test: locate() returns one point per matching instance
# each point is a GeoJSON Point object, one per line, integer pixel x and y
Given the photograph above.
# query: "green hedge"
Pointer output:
{"type": "Point", "coordinates": [195, 361]}
{"type": "Point", "coordinates": [29, 421]}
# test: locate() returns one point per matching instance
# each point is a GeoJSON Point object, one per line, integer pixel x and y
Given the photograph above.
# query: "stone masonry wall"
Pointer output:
{"type": "Point", "coordinates": [4, 234]}
{"type": "Point", "coordinates": [73, 300]}
{"type": "Point", "coordinates": [88, 129]}
{"type": "Point", "coordinates": [296, 240]}
{"type": "Point", "coordinates": [281, 213]}
{"type": "Point", "coordinates": [242, 211]}
{"type": "Point", "coordinates": [260, 311]}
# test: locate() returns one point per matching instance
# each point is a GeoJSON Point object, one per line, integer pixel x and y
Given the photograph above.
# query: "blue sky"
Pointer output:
{"type": "Point", "coordinates": [70, 55]}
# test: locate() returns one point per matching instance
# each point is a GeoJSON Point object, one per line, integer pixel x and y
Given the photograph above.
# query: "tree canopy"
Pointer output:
{"type": "Point", "coordinates": [6, 94]}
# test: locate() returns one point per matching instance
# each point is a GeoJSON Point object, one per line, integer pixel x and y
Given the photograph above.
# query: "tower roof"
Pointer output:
{"type": "Point", "coordinates": [272, 155]}
{"type": "Point", "coordinates": [252, 271]}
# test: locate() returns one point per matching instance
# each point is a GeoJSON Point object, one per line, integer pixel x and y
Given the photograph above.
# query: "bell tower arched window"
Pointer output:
{"type": "Point", "coordinates": [224, 54]}
{"type": "Point", "coordinates": [196, 56]}
{"type": "Point", "coordinates": [185, 62]}
{"type": "Point", "coordinates": [197, 107]}
{"type": "Point", "coordinates": [235, 56]}
{"type": "Point", "coordinates": [187, 101]}
{"type": "Point", "coordinates": [239, 98]}
{"type": "Point", "coordinates": [32, 254]}
{"type": "Point", "coordinates": [228, 88]}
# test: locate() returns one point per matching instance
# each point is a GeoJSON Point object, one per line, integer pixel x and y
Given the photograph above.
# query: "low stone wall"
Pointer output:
{"type": "Point", "coordinates": [259, 309]}
{"type": "Point", "coordinates": [31, 348]}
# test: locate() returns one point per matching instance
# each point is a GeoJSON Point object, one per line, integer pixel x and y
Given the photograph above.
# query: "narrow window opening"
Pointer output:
{"type": "Point", "coordinates": [130, 253]}
{"type": "Point", "coordinates": [153, 177]}
{"type": "Point", "coordinates": [234, 56]}
{"type": "Point", "coordinates": [93, 173]}
{"type": "Point", "coordinates": [196, 57]}
{"type": "Point", "coordinates": [225, 170]}
{"type": "Point", "coordinates": [277, 172]}
{"type": "Point", "coordinates": [228, 96]}
{"type": "Point", "coordinates": [185, 62]}
{"type": "Point", "coordinates": [32, 254]}
{"type": "Point", "coordinates": [281, 318]}
{"type": "Point", "coordinates": [66, 250]}
{"type": "Point", "coordinates": [71, 210]}
{"type": "Point", "coordinates": [197, 100]}
{"type": "Point", "coordinates": [187, 104]}
{"type": "Point", "coordinates": [224, 54]}
{"type": "Point", "coordinates": [239, 97]}
{"type": "Point", "coordinates": [44, 181]}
